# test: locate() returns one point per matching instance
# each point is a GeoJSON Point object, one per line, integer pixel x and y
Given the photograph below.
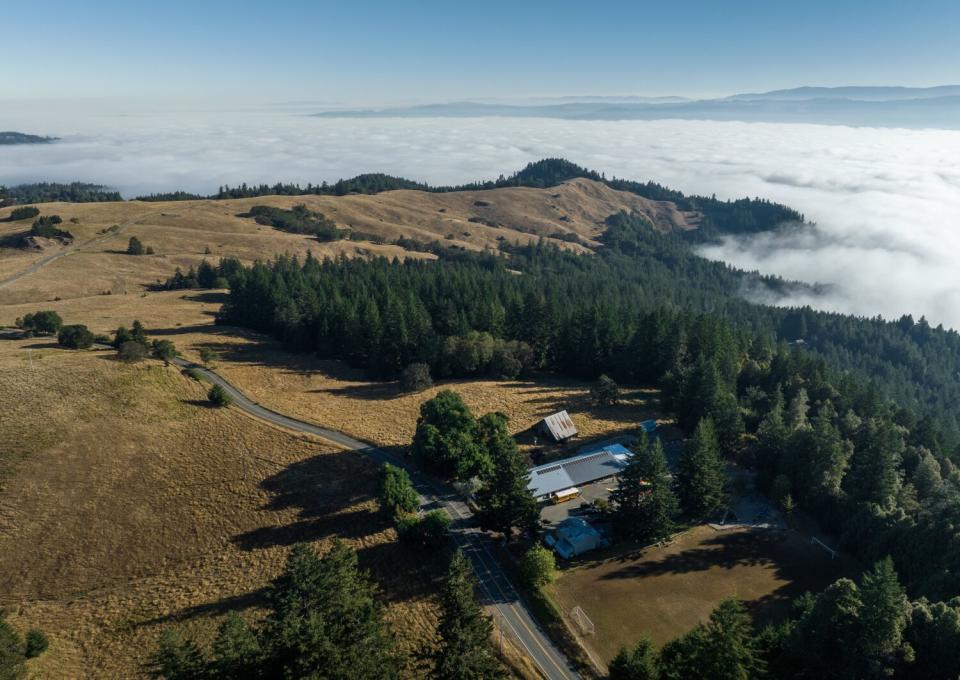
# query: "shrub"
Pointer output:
{"type": "Point", "coordinates": [46, 227]}
{"type": "Point", "coordinates": [219, 396]}
{"type": "Point", "coordinates": [36, 643]}
{"type": "Point", "coordinates": [76, 336]}
{"type": "Point", "coordinates": [27, 212]}
{"type": "Point", "coordinates": [396, 490]}
{"type": "Point", "coordinates": [131, 351]}
{"type": "Point", "coordinates": [134, 246]}
{"type": "Point", "coordinates": [415, 378]}
{"type": "Point", "coordinates": [428, 531]}
{"type": "Point", "coordinates": [538, 566]}
{"type": "Point", "coordinates": [193, 374]}
{"type": "Point", "coordinates": [207, 355]}
{"type": "Point", "coordinates": [45, 323]}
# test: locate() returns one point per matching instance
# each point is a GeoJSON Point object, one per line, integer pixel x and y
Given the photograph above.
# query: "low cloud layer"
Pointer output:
{"type": "Point", "coordinates": [886, 202]}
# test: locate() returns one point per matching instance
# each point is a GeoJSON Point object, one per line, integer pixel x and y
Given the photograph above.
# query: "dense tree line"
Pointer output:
{"type": "Point", "coordinates": [204, 276]}
{"type": "Point", "coordinates": [47, 192]}
{"type": "Point", "coordinates": [297, 220]}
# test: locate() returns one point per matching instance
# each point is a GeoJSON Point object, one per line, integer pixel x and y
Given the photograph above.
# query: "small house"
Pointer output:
{"type": "Point", "coordinates": [559, 427]}
{"type": "Point", "coordinates": [575, 536]}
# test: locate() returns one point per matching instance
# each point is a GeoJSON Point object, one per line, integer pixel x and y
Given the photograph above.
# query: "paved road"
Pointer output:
{"type": "Point", "coordinates": [43, 262]}
{"type": "Point", "coordinates": [495, 586]}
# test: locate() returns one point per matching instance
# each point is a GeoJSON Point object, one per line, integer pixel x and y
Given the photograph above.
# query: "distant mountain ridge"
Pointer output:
{"type": "Point", "coordinates": [933, 107]}
{"type": "Point", "coordinates": [10, 137]}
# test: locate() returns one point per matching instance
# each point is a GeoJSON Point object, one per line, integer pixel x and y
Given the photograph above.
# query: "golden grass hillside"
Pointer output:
{"type": "Point", "coordinates": [182, 232]}
{"type": "Point", "coordinates": [128, 505]}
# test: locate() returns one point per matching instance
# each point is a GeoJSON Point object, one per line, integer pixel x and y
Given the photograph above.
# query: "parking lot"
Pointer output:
{"type": "Point", "coordinates": [551, 515]}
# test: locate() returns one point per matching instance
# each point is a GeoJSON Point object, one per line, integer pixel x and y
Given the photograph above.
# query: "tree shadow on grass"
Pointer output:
{"type": "Point", "coordinates": [724, 551]}
{"type": "Point", "coordinates": [330, 494]}
{"type": "Point", "coordinates": [235, 603]}
{"type": "Point", "coordinates": [372, 391]}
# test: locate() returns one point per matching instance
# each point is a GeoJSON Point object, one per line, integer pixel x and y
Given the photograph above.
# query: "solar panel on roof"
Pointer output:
{"type": "Point", "coordinates": [546, 471]}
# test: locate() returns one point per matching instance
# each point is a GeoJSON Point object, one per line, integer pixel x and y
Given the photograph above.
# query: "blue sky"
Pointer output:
{"type": "Point", "coordinates": [355, 51]}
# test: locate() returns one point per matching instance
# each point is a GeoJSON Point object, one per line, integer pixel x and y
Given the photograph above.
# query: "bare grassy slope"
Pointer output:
{"type": "Point", "coordinates": [127, 505]}
{"type": "Point", "coordinates": [181, 232]}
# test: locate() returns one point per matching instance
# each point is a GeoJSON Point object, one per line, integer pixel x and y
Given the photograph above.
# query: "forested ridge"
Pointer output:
{"type": "Point", "coordinates": [48, 192]}
{"type": "Point", "coordinates": [856, 423]}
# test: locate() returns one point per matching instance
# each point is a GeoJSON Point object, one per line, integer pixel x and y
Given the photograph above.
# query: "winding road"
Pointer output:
{"type": "Point", "coordinates": [512, 614]}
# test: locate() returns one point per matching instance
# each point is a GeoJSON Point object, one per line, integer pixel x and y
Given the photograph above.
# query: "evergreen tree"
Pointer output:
{"type": "Point", "coordinates": [12, 655]}
{"type": "Point", "coordinates": [701, 478]}
{"type": "Point", "coordinates": [504, 500]}
{"type": "Point", "coordinates": [135, 247]}
{"type": "Point", "coordinates": [464, 652]}
{"type": "Point", "coordinates": [884, 613]}
{"type": "Point", "coordinates": [731, 651]}
{"type": "Point", "coordinates": [636, 663]}
{"type": "Point", "coordinates": [236, 650]}
{"type": "Point", "coordinates": [177, 659]}
{"type": "Point", "coordinates": [873, 475]}
{"type": "Point", "coordinates": [326, 620]}
{"type": "Point", "coordinates": [644, 501]}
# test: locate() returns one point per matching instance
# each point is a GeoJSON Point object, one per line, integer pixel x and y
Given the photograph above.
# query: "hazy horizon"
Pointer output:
{"type": "Point", "coordinates": [884, 200]}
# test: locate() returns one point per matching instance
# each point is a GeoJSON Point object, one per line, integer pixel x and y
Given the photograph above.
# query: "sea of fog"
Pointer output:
{"type": "Point", "coordinates": [886, 202]}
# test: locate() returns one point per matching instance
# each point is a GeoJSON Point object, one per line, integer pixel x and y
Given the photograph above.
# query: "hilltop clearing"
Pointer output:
{"type": "Point", "coordinates": [401, 223]}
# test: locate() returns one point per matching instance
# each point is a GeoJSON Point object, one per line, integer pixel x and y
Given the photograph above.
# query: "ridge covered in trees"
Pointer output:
{"type": "Point", "coordinates": [857, 423]}
{"type": "Point", "coordinates": [48, 192]}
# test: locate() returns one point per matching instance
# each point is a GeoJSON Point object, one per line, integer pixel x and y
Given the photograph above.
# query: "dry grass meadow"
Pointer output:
{"type": "Point", "coordinates": [181, 232]}
{"type": "Point", "coordinates": [127, 505]}
{"type": "Point", "coordinates": [663, 592]}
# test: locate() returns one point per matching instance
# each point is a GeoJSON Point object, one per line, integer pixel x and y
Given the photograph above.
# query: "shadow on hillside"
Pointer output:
{"type": "Point", "coordinates": [331, 497]}
{"type": "Point", "coordinates": [209, 297]}
{"type": "Point", "coordinates": [329, 494]}
{"type": "Point", "coordinates": [256, 598]}
{"type": "Point", "coordinates": [373, 391]}
{"type": "Point", "coordinates": [194, 328]}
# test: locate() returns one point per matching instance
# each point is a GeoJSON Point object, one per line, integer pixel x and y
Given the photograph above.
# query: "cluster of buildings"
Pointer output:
{"type": "Point", "coordinates": [560, 481]}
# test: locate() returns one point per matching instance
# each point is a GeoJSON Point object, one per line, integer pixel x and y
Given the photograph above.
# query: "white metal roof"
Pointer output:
{"type": "Point", "coordinates": [582, 469]}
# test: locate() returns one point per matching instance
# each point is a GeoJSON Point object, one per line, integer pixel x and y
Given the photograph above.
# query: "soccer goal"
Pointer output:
{"type": "Point", "coordinates": [816, 541]}
{"type": "Point", "coordinates": [582, 620]}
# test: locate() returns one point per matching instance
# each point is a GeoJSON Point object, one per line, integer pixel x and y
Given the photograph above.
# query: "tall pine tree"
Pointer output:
{"type": "Point", "coordinates": [701, 478]}
{"type": "Point", "coordinates": [465, 652]}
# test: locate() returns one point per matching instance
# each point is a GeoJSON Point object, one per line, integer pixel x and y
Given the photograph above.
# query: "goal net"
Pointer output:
{"type": "Point", "coordinates": [816, 541]}
{"type": "Point", "coordinates": [582, 620]}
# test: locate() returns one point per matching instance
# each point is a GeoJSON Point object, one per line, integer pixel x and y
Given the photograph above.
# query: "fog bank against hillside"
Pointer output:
{"type": "Point", "coordinates": [886, 202]}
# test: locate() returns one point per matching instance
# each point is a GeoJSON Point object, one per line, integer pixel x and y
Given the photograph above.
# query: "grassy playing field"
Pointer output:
{"type": "Point", "coordinates": [663, 592]}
